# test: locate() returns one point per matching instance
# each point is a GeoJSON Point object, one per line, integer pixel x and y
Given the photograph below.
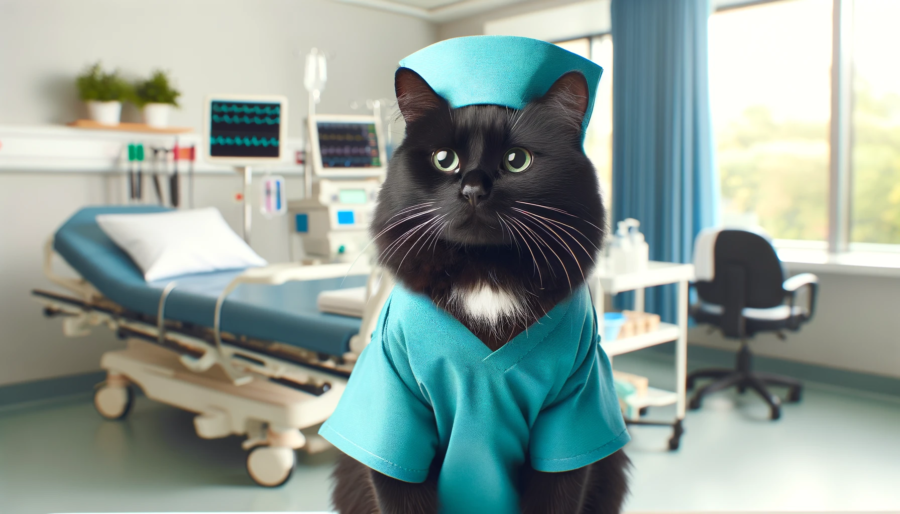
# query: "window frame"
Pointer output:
{"type": "Point", "coordinates": [840, 141]}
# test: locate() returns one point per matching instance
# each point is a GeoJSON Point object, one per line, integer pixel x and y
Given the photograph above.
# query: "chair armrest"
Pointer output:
{"type": "Point", "coordinates": [794, 283]}
{"type": "Point", "coordinates": [804, 280]}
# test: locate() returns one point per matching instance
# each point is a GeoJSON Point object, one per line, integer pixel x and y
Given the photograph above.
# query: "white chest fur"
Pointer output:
{"type": "Point", "coordinates": [485, 304]}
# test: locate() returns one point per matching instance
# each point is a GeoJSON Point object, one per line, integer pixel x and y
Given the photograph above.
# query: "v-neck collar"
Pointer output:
{"type": "Point", "coordinates": [508, 355]}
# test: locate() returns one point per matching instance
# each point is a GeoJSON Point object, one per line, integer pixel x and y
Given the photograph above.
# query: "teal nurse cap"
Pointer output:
{"type": "Point", "coordinates": [501, 70]}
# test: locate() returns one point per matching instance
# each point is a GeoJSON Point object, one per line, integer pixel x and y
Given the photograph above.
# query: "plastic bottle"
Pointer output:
{"type": "Point", "coordinates": [640, 250]}
{"type": "Point", "coordinates": [621, 250]}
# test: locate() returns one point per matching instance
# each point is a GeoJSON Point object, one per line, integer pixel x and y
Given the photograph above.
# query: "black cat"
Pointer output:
{"type": "Point", "coordinates": [495, 214]}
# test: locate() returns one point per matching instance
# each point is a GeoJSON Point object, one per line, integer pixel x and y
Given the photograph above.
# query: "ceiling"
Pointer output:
{"type": "Point", "coordinates": [437, 11]}
{"type": "Point", "coordinates": [427, 4]}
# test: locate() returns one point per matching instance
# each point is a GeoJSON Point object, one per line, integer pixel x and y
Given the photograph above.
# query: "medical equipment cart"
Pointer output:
{"type": "Point", "coordinates": [604, 282]}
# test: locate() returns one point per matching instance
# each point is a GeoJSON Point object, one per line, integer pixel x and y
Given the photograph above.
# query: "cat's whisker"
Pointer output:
{"type": "Point", "coordinates": [549, 231]}
{"type": "Point", "coordinates": [432, 233]}
{"type": "Point", "coordinates": [393, 247]}
{"type": "Point", "coordinates": [517, 115]}
{"type": "Point", "coordinates": [512, 237]}
{"type": "Point", "coordinates": [560, 224]}
{"type": "Point", "coordinates": [400, 240]}
{"type": "Point", "coordinates": [546, 244]}
{"type": "Point", "coordinates": [560, 211]}
{"type": "Point", "coordinates": [437, 236]}
{"type": "Point", "coordinates": [533, 258]}
{"type": "Point", "coordinates": [566, 231]}
{"type": "Point", "coordinates": [444, 225]}
{"type": "Point", "coordinates": [539, 242]}
{"type": "Point", "coordinates": [374, 238]}
{"type": "Point", "coordinates": [542, 240]}
{"type": "Point", "coordinates": [399, 222]}
{"type": "Point", "coordinates": [411, 208]}
{"type": "Point", "coordinates": [430, 224]}
{"type": "Point", "coordinates": [541, 220]}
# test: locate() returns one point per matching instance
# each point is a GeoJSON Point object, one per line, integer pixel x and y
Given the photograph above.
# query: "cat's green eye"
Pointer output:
{"type": "Point", "coordinates": [445, 160]}
{"type": "Point", "coordinates": [517, 160]}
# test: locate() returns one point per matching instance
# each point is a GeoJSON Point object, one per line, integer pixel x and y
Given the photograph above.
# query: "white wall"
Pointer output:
{"type": "Point", "coordinates": [557, 24]}
{"type": "Point", "coordinates": [474, 25]}
{"type": "Point", "coordinates": [210, 46]}
{"type": "Point", "coordinates": [551, 20]}
{"type": "Point", "coordinates": [231, 46]}
{"type": "Point", "coordinates": [855, 327]}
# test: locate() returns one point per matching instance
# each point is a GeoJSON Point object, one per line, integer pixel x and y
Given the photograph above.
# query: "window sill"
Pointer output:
{"type": "Point", "coordinates": [878, 264]}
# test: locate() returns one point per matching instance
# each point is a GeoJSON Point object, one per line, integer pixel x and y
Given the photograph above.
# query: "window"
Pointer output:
{"type": "Point", "coordinates": [875, 198]}
{"type": "Point", "coordinates": [770, 85]}
{"type": "Point", "coordinates": [598, 140]}
{"type": "Point", "coordinates": [771, 93]}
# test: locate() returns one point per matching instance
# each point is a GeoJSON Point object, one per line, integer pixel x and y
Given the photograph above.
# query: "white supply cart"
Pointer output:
{"type": "Point", "coordinates": [655, 274]}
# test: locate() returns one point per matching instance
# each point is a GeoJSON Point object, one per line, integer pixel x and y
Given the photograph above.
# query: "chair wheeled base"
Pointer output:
{"type": "Point", "coordinates": [743, 377]}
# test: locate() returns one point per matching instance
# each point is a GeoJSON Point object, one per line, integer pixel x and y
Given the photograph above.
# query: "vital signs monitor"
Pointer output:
{"type": "Point", "coordinates": [347, 146]}
{"type": "Point", "coordinates": [348, 159]}
{"type": "Point", "coordinates": [246, 130]}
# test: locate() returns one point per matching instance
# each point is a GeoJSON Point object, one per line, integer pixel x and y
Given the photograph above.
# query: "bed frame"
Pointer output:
{"type": "Point", "coordinates": [274, 394]}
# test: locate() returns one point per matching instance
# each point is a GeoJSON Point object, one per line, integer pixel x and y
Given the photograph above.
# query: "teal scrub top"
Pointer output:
{"type": "Point", "coordinates": [426, 386]}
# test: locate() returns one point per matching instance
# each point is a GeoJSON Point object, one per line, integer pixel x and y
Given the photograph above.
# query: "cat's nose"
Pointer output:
{"type": "Point", "coordinates": [475, 187]}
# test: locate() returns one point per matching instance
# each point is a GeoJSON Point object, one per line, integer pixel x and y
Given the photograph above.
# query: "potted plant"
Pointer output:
{"type": "Point", "coordinates": [104, 93]}
{"type": "Point", "coordinates": [156, 96]}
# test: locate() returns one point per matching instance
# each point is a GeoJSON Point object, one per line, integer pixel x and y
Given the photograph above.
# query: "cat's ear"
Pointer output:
{"type": "Point", "coordinates": [415, 98]}
{"type": "Point", "coordinates": [570, 92]}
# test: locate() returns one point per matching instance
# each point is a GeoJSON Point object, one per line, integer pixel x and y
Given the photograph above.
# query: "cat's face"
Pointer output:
{"type": "Point", "coordinates": [510, 190]}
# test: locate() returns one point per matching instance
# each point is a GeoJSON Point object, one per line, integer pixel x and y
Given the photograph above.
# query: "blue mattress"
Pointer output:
{"type": "Point", "coordinates": [285, 313]}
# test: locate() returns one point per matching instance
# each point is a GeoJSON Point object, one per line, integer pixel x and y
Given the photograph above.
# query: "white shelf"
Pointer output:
{"type": "Point", "coordinates": [666, 333]}
{"type": "Point", "coordinates": [57, 148]}
{"type": "Point", "coordinates": [653, 398]}
{"type": "Point", "coordinates": [655, 274]}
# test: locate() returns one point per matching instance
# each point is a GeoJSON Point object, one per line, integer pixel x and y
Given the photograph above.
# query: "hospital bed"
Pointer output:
{"type": "Point", "coordinates": [248, 350]}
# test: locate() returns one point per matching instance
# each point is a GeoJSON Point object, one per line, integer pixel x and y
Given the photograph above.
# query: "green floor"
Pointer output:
{"type": "Point", "coordinates": [837, 450]}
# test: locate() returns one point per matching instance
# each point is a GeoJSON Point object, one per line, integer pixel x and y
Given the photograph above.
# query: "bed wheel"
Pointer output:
{"type": "Point", "coordinates": [271, 466]}
{"type": "Point", "coordinates": [113, 402]}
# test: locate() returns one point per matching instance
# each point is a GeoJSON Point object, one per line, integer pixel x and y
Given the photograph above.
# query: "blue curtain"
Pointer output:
{"type": "Point", "coordinates": [663, 168]}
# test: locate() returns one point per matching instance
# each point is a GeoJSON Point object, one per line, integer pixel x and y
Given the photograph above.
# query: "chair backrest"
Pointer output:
{"type": "Point", "coordinates": [748, 273]}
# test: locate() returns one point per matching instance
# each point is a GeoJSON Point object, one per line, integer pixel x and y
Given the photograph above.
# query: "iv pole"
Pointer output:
{"type": "Point", "coordinates": [314, 78]}
{"type": "Point", "coordinates": [247, 173]}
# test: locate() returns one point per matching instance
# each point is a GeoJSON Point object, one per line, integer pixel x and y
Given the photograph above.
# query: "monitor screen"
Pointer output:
{"type": "Point", "coordinates": [348, 145]}
{"type": "Point", "coordinates": [352, 196]}
{"type": "Point", "coordinates": [244, 129]}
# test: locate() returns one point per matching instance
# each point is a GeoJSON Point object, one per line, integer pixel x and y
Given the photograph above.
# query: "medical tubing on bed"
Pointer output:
{"type": "Point", "coordinates": [161, 313]}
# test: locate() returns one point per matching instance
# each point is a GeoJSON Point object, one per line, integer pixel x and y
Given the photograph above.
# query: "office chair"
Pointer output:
{"type": "Point", "coordinates": [742, 292]}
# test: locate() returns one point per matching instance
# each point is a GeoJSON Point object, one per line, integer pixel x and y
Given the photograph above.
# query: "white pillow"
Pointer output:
{"type": "Point", "coordinates": [169, 244]}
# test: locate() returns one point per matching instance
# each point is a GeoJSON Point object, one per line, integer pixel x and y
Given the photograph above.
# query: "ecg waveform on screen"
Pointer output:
{"type": "Point", "coordinates": [342, 137]}
{"type": "Point", "coordinates": [351, 151]}
{"type": "Point", "coordinates": [245, 119]}
{"type": "Point", "coordinates": [348, 145]}
{"type": "Point", "coordinates": [244, 129]}
{"type": "Point", "coordinates": [246, 109]}
{"type": "Point", "coordinates": [246, 141]}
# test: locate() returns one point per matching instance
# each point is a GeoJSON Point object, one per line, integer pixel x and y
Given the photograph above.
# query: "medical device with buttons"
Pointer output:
{"type": "Point", "coordinates": [334, 223]}
{"type": "Point", "coordinates": [348, 158]}
{"type": "Point", "coordinates": [245, 131]}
